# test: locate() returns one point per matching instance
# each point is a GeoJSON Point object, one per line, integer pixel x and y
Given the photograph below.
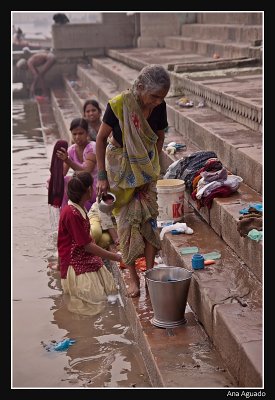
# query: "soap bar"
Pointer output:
{"type": "Point", "coordinates": [215, 255]}
{"type": "Point", "coordinates": [189, 250]}
{"type": "Point", "coordinates": [209, 262]}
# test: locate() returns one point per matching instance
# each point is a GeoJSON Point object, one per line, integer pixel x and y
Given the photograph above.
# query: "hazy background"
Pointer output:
{"type": "Point", "coordinates": [39, 23]}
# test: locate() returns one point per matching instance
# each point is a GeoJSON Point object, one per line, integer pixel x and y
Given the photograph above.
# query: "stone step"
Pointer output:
{"type": "Point", "coordinates": [238, 147]}
{"type": "Point", "coordinates": [79, 93]}
{"type": "Point", "coordinates": [246, 18]}
{"type": "Point", "coordinates": [103, 88]}
{"type": "Point", "coordinates": [180, 357]}
{"type": "Point", "coordinates": [219, 64]}
{"type": "Point", "coordinates": [122, 75]}
{"type": "Point", "coordinates": [197, 129]}
{"type": "Point", "coordinates": [210, 47]}
{"type": "Point", "coordinates": [140, 57]}
{"type": "Point", "coordinates": [64, 111]}
{"type": "Point", "coordinates": [49, 126]}
{"type": "Point", "coordinates": [218, 297]}
{"type": "Point", "coordinates": [224, 213]}
{"type": "Point", "coordinates": [233, 32]}
{"type": "Point", "coordinates": [213, 311]}
{"type": "Point", "coordinates": [219, 131]}
{"type": "Point", "coordinates": [226, 299]}
{"type": "Point", "coordinates": [235, 92]}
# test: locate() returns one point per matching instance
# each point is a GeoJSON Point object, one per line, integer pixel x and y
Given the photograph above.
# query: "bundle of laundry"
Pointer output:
{"type": "Point", "coordinates": [250, 219]}
{"type": "Point", "coordinates": [186, 168]}
{"type": "Point", "coordinates": [213, 181]}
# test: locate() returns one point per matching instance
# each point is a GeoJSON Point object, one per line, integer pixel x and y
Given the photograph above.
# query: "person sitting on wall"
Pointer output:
{"type": "Point", "coordinates": [60, 18]}
{"type": "Point", "coordinates": [44, 59]}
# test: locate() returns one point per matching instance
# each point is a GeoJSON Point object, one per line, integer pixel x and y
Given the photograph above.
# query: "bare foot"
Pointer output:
{"type": "Point", "coordinates": [134, 282]}
{"type": "Point", "coordinates": [54, 266]}
{"type": "Point", "coordinates": [134, 293]}
{"type": "Point", "coordinates": [133, 289]}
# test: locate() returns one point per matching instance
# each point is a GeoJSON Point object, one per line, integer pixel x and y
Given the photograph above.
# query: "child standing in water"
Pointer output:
{"type": "Point", "coordinates": [83, 276]}
{"type": "Point", "coordinates": [92, 113]}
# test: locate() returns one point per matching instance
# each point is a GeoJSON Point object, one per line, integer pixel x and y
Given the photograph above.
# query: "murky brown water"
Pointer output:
{"type": "Point", "coordinates": [105, 353]}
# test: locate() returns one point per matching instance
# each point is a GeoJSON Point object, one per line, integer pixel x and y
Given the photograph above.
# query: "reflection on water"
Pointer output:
{"type": "Point", "coordinates": [105, 353]}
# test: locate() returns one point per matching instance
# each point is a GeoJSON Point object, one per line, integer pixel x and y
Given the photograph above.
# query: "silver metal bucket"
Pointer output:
{"type": "Point", "coordinates": [168, 289]}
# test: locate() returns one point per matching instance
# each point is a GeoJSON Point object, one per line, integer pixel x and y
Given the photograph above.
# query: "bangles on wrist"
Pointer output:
{"type": "Point", "coordinates": [102, 175]}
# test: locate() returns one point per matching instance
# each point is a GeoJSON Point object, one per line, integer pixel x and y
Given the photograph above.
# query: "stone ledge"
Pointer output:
{"type": "Point", "coordinates": [216, 292]}
{"type": "Point", "coordinates": [179, 357]}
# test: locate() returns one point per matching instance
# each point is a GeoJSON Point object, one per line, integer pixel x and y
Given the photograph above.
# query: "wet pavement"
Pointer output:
{"type": "Point", "coordinates": [105, 353]}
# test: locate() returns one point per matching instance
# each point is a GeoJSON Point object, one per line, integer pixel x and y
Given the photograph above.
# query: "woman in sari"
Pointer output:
{"type": "Point", "coordinates": [128, 164]}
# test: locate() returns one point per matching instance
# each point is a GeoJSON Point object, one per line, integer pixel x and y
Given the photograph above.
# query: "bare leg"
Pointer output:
{"type": "Point", "coordinates": [43, 86]}
{"type": "Point", "coordinates": [133, 290]}
{"type": "Point", "coordinates": [49, 63]}
{"type": "Point", "coordinates": [150, 252]}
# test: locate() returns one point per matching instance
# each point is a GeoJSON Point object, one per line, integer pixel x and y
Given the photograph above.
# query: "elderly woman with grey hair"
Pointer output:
{"type": "Point", "coordinates": [128, 165]}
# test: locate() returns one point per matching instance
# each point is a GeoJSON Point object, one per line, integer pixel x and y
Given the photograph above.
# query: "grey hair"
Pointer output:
{"type": "Point", "coordinates": [26, 51]}
{"type": "Point", "coordinates": [153, 77]}
{"type": "Point", "coordinates": [22, 63]}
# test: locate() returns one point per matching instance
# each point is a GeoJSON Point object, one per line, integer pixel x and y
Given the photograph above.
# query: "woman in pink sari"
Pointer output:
{"type": "Point", "coordinates": [79, 157]}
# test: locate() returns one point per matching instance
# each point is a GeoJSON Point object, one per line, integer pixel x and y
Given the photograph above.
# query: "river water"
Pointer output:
{"type": "Point", "coordinates": [105, 353]}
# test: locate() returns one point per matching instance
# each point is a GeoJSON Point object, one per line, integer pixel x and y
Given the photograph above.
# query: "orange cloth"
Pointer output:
{"type": "Point", "coordinates": [140, 264]}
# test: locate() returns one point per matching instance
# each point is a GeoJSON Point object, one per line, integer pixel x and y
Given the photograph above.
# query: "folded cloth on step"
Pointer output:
{"type": "Point", "coordinates": [247, 224]}
{"type": "Point", "coordinates": [254, 234]}
{"type": "Point", "coordinates": [178, 226]}
{"type": "Point", "coordinates": [185, 102]}
{"type": "Point", "coordinates": [256, 206]}
{"type": "Point", "coordinates": [189, 250]}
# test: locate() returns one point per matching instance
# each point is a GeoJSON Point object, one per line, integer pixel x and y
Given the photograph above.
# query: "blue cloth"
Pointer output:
{"type": "Point", "coordinates": [254, 234]}
{"type": "Point", "coordinates": [257, 206]}
{"type": "Point", "coordinates": [63, 345]}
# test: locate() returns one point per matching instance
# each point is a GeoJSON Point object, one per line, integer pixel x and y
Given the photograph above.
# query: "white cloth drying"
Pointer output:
{"type": "Point", "coordinates": [179, 226]}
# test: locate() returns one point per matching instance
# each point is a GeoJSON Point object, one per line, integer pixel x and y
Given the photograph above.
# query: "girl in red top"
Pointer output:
{"type": "Point", "coordinates": [83, 275]}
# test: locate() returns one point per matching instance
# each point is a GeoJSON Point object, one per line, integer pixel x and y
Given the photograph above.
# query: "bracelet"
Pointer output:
{"type": "Point", "coordinates": [102, 175]}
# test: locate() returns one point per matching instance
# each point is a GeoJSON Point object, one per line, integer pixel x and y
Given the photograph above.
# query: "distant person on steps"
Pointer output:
{"type": "Point", "coordinates": [45, 60]}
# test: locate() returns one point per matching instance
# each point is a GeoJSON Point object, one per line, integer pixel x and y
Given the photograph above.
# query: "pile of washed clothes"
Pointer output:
{"type": "Point", "coordinates": [205, 177]}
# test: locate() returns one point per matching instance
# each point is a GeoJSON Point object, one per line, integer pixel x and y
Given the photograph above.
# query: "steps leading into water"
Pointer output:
{"type": "Point", "coordinates": [230, 292]}
{"type": "Point", "coordinates": [224, 213]}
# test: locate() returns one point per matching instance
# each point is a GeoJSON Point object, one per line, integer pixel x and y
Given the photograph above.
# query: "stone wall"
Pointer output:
{"type": "Point", "coordinates": [154, 27]}
{"type": "Point", "coordinates": [116, 30]}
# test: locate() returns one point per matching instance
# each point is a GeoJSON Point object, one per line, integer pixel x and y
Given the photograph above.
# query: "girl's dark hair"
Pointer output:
{"type": "Point", "coordinates": [93, 103]}
{"type": "Point", "coordinates": [78, 185]}
{"type": "Point", "coordinates": [79, 123]}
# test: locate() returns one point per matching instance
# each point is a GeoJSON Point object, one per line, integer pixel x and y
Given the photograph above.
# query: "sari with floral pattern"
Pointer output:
{"type": "Point", "coordinates": [133, 170]}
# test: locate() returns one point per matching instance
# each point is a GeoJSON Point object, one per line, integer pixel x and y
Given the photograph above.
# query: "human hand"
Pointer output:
{"type": "Point", "coordinates": [118, 257]}
{"type": "Point", "coordinates": [62, 154]}
{"type": "Point", "coordinates": [102, 188]}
